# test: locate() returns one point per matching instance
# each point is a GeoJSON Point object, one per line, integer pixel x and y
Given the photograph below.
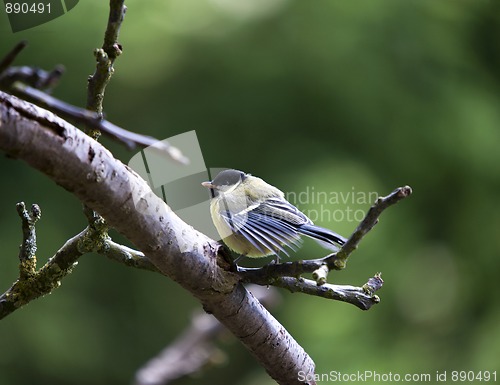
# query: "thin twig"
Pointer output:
{"type": "Point", "coordinates": [29, 219]}
{"type": "Point", "coordinates": [11, 56]}
{"type": "Point", "coordinates": [117, 11]}
{"type": "Point", "coordinates": [27, 251]}
{"type": "Point", "coordinates": [32, 76]}
{"type": "Point", "coordinates": [339, 259]}
{"type": "Point", "coordinates": [105, 58]}
{"type": "Point", "coordinates": [127, 256]}
{"type": "Point", "coordinates": [357, 296]}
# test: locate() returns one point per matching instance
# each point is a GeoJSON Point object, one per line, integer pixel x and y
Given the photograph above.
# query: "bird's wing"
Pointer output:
{"type": "Point", "coordinates": [252, 230]}
{"type": "Point", "coordinates": [283, 211]}
{"type": "Point", "coordinates": [260, 232]}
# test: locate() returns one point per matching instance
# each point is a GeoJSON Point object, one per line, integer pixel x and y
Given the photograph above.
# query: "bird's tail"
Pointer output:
{"type": "Point", "coordinates": [324, 237]}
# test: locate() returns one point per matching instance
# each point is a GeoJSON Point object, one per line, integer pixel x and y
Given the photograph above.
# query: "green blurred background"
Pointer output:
{"type": "Point", "coordinates": [330, 96]}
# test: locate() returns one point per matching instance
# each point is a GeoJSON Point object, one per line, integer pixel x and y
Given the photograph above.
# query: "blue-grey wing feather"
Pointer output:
{"type": "Point", "coordinates": [282, 231]}
{"type": "Point", "coordinates": [246, 226]}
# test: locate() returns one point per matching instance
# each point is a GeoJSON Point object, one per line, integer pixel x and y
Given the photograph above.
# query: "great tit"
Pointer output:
{"type": "Point", "coordinates": [255, 220]}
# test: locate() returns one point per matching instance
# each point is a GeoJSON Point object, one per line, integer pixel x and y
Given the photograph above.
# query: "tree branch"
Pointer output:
{"type": "Point", "coordinates": [39, 283]}
{"type": "Point", "coordinates": [89, 171]}
{"type": "Point", "coordinates": [339, 260]}
{"type": "Point", "coordinates": [195, 348]}
{"type": "Point", "coordinates": [127, 256]}
{"type": "Point", "coordinates": [32, 76]}
{"type": "Point", "coordinates": [11, 56]}
{"type": "Point", "coordinates": [188, 354]}
{"type": "Point", "coordinates": [105, 58]}
{"type": "Point", "coordinates": [29, 219]}
{"type": "Point", "coordinates": [362, 297]}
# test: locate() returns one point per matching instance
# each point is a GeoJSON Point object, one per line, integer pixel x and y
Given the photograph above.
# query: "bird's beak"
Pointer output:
{"type": "Point", "coordinates": [208, 184]}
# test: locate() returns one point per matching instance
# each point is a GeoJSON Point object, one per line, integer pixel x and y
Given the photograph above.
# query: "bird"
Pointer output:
{"type": "Point", "coordinates": [255, 220]}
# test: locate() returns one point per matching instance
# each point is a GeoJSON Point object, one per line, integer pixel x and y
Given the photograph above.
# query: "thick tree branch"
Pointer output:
{"type": "Point", "coordinates": [193, 350]}
{"type": "Point", "coordinates": [89, 171]}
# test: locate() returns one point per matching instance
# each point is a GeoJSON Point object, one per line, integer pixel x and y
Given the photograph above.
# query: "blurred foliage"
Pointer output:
{"type": "Point", "coordinates": [333, 96]}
